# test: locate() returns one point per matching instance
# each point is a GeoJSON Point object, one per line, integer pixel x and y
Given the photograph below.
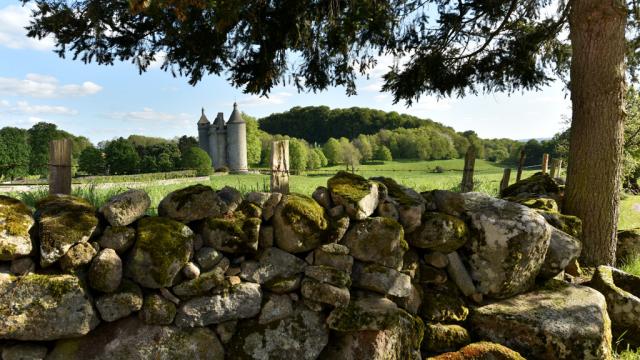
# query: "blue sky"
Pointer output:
{"type": "Point", "coordinates": [103, 102]}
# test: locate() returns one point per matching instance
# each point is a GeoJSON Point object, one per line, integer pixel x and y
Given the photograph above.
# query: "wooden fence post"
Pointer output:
{"type": "Point", "coordinates": [520, 165]}
{"type": "Point", "coordinates": [467, 176]}
{"type": "Point", "coordinates": [545, 163]}
{"type": "Point", "coordinates": [280, 166]}
{"type": "Point", "coordinates": [556, 164]}
{"type": "Point", "coordinates": [505, 179]}
{"type": "Point", "coordinates": [60, 167]}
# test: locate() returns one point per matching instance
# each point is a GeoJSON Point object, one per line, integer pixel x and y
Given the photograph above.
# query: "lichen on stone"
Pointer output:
{"type": "Point", "coordinates": [349, 186]}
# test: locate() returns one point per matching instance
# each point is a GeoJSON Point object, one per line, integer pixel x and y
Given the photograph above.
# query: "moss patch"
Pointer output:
{"type": "Point", "coordinates": [569, 224]}
{"type": "Point", "coordinates": [349, 186]}
{"type": "Point", "coordinates": [15, 217]}
{"type": "Point", "coordinates": [397, 192]}
{"type": "Point", "coordinates": [166, 242]}
{"type": "Point", "coordinates": [302, 212]}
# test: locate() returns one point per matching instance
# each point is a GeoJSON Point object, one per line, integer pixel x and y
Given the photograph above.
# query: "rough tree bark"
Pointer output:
{"type": "Point", "coordinates": [597, 29]}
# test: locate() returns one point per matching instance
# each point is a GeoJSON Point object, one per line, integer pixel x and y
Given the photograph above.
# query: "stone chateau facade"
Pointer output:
{"type": "Point", "coordinates": [226, 143]}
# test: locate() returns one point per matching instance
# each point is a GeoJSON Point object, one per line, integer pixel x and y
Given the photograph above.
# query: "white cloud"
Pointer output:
{"type": "Point", "coordinates": [45, 86]}
{"type": "Point", "coordinates": [150, 115]}
{"type": "Point", "coordinates": [13, 20]}
{"type": "Point", "coordinates": [273, 99]}
{"type": "Point", "coordinates": [23, 107]}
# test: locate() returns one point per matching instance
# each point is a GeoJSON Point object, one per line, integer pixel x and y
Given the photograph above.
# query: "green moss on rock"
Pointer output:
{"type": "Point", "coordinates": [349, 186]}
{"type": "Point", "coordinates": [234, 234]}
{"type": "Point", "coordinates": [539, 184]}
{"type": "Point", "coordinates": [15, 217]}
{"type": "Point", "coordinates": [569, 224]}
{"type": "Point", "coordinates": [163, 246]}
{"type": "Point", "coordinates": [303, 210]}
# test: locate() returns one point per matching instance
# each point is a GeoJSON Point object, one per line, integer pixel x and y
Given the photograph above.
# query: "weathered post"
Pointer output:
{"type": "Point", "coordinates": [520, 164]}
{"type": "Point", "coordinates": [545, 163]}
{"type": "Point", "coordinates": [467, 176]}
{"type": "Point", "coordinates": [280, 166]}
{"type": "Point", "coordinates": [60, 167]}
{"type": "Point", "coordinates": [506, 175]}
{"type": "Point", "coordinates": [556, 164]}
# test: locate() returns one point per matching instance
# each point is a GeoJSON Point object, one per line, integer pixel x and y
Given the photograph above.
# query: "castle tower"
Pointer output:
{"type": "Point", "coordinates": [237, 142]}
{"type": "Point", "coordinates": [220, 130]}
{"type": "Point", "coordinates": [214, 153]}
{"type": "Point", "coordinates": [203, 132]}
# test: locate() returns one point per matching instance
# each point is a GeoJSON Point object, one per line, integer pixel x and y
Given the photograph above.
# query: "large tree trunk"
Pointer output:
{"type": "Point", "coordinates": [597, 92]}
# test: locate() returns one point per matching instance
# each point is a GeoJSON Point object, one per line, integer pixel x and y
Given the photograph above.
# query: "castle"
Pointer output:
{"type": "Point", "coordinates": [226, 143]}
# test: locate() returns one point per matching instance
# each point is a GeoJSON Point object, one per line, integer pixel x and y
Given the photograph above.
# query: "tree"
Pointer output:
{"type": "Point", "coordinates": [254, 145]}
{"type": "Point", "coordinates": [443, 47]}
{"type": "Point", "coordinates": [332, 151]}
{"type": "Point", "coordinates": [121, 157]}
{"type": "Point", "coordinates": [364, 146]}
{"type": "Point", "coordinates": [313, 160]}
{"type": "Point", "coordinates": [197, 159]}
{"type": "Point", "coordinates": [92, 161]}
{"type": "Point", "coordinates": [185, 143]}
{"type": "Point", "coordinates": [40, 135]}
{"type": "Point", "coordinates": [383, 154]}
{"type": "Point", "coordinates": [350, 155]}
{"type": "Point", "coordinates": [14, 152]}
{"type": "Point", "coordinates": [298, 154]}
{"type": "Point", "coordinates": [323, 159]}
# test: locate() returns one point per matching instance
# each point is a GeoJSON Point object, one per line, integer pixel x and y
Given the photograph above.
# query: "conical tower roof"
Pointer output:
{"type": "Point", "coordinates": [203, 119]}
{"type": "Point", "coordinates": [236, 117]}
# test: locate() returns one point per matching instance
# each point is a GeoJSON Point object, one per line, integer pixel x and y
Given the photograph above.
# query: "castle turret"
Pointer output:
{"type": "Point", "coordinates": [220, 130]}
{"type": "Point", "coordinates": [203, 132]}
{"type": "Point", "coordinates": [237, 142]}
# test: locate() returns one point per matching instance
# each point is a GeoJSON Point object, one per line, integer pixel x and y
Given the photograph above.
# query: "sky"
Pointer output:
{"type": "Point", "coordinates": [105, 102]}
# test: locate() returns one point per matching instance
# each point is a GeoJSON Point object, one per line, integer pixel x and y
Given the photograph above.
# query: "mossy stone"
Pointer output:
{"type": "Point", "coordinates": [15, 222]}
{"type": "Point", "coordinates": [569, 224]}
{"type": "Point", "coordinates": [156, 310]}
{"type": "Point", "coordinates": [237, 234]}
{"type": "Point", "coordinates": [440, 232]}
{"type": "Point", "coordinates": [300, 223]}
{"type": "Point", "coordinates": [378, 240]}
{"type": "Point", "coordinates": [358, 195]}
{"type": "Point", "coordinates": [163, 246]}
{"type": "Point", "coordinates": [481, 351]}
{"type": "Point", "coordinates": [439, 338]}
{"type": "Point", "coordinates": [538, 184]}
{"type": "Point", "coordinates": [63, 221]}
{"type": "Point", "coordinates": [192, 203]}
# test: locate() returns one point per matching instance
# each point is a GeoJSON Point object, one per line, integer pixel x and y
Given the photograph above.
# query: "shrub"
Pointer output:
{"type": "Point", "coordinates": [197, 159]}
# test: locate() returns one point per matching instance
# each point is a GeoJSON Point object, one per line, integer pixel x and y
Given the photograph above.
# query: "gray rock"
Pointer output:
{"type": "Point", "coordinates": [266, 238]}
{"type": "Point", "coordinates": [132, 339]}
{"type": "Point", "coordinates": [192, 203]}
{"type": "Point", "coordinates": [273, 264]}
{"type": "Point", "coordinates": [440, 338]}
{"type": "Point", "coordinates": [44, 307]}
{"type": "Point", "coordinates": [459, 274]}
{"type": "Point", "coordinates": [231, 197]}
{"type": "Point", "coordinates": [622, 291]}
{"type": "Point", "coordinates": [235, 234]}
{"type": "Point", "coordinates": [163, 246]}
{"type": "Point", "coordinates": [408, 203]}
{"type": "Point", "coordinates": [276, 308]}
{"type": "Point", "coordinates": [190, 271]}
{"type": "Point", "coordinates": [562, 321]}
{"type": "Point", "coordinates": [563, 249]}
{"type": "Point", "coordinates": [323, 197]}
{"type": "Point", "coordinates": [15, 223]}
{"type": "Point", "coordinates": [300, 224]}
{"type": "Point", "coordinates": [226, 330]}
{"type": "Point", "coordinates": [509, 245]}
{"type": "Point", "coordinates": [242, 302]}
{"type": "Point", "coordinates": [79, 255]}
{"type": "Point", "coordinates": [378, 240]}
{"type": "Point", "coordinates": [257, 198]}
{"type": "Point", "coordinates": [269, 208]}
{"type": "Point", "coordinates": [325, 293]}
{"type": "Point", "coordinates": [63, 221]}
{"type": "Point", "coordinates": [300, 336]}
{"type": "Point", "coordinates": [388, 209]}
{"type": "Point", "coordinates": [381, 279]}
{"type": "Point", "coordinates": [22, 266]}
{"type": "Point", "coordinates": [436, 259]}
{"type": "Point", "coordinates": [373, 328]}
{"type": "Point", "coordinates": [358, 196]}
{"type": "Point", "coordinates": [200, 285]}
{"type": "Point", "coordinates": [157, 310]}
{"type": "Point", "coordinates": [439, 232]}
{"type": "Point", "coordinates": [24, 351]}
{"type": "Point", "coordinates": [412, 302]}
{"type": "Point", "coordinates": [119, 304]}
{"type": "Point", "coordinates": [337, 211]}
{"type": "Point", "coordinates": [208, 258]}
{"type": "Point", "coordinates": [123, 209]}
{"type": "Point", "coordinates": [118, 238]}
{"type": "Point", "coordinates": [329, 275]}
{"type": "Point", "coordinates": [327, 255]}
{"type": "Point", "coordinates": [284, 286]}
{"type": "Point", "coordinates": [105, 273]}
{"type": "Point", "coordinates": [443, 304]}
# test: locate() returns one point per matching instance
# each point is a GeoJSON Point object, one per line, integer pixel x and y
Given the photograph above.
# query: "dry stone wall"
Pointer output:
{"type": "Point", "coordinates": [362, 269]}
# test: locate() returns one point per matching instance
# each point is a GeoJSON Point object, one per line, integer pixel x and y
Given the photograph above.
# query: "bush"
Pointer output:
{"type": "Point", "coordinates": [197, 159]}
{"type": "Point", "coordinates": [438, 169]}
{"type": "Point", "coordinates": [222, 169]}
{"type": "Point", "coordinates": [383, 153]}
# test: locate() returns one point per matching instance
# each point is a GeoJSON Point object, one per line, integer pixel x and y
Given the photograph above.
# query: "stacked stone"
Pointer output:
{"type": "Point", "coordinates": [362, 269]}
